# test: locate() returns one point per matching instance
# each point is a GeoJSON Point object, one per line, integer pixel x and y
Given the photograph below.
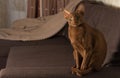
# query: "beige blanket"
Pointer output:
{"type": "Point", "coordinates": [37, 29]}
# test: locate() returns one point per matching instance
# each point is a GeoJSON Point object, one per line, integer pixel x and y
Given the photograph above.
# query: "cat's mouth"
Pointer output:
{"type": "Point", "coordinates": [74, 25]}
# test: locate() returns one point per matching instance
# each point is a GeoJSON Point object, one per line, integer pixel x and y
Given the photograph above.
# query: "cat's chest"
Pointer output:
{"type": "Point", "coordinates": [76, 33]}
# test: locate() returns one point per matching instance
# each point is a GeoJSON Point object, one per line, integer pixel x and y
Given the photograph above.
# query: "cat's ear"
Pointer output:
{"type": "Point", "coordinates": [66, 14]}
{"type": "Point", "coordinates": [81, 9]}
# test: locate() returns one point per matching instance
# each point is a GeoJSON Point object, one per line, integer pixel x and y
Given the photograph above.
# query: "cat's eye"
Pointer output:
{"type": "Point", "coordinates": [71, 19]}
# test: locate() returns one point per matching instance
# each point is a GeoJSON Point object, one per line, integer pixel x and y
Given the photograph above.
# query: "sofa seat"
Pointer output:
{"type": "Point", "coordinates": [40, 56]}
{"type": "Point", "coordinates": [52, 57]}
{"type": "Point", "coordinates": [56, 72]}
{"type": "Point", "coordinates": [52, 60]}
{"type": "Point", "coordinates": [5, 46]}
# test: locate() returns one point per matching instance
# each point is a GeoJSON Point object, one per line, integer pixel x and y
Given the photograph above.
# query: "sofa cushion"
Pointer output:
{"type": "Point", "coordinates": [107, 20]}
{"type": "Point", "coordinates": [53, 53]}
{"type": "Point", "coordinates": [6, 44]}
{"type": "Point", "coordinates": [3, 62]}
{"type": "Point", "coordinates": [40, 56]}
{"type": "Point", "coordinates": [53, 60]}
{"type": "Point", "coordinates": [51, 72]}
{"type": "Point", "coordinates": [37, 72]}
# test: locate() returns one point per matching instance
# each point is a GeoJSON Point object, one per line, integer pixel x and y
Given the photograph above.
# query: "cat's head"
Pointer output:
{"type": "Point", "coordinates": [75, 18]}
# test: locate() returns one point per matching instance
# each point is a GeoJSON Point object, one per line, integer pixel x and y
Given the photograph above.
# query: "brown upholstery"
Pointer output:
{"type": "Point", "coordinates": [52, 58]}
{"type": "Point", "coordinates": [53, 62]}
{"type": "Point", "coordinates": [107, 20]}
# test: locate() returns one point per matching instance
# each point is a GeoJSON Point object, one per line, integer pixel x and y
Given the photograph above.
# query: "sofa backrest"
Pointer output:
{"type": "Point", "coordinates": [107, 20]}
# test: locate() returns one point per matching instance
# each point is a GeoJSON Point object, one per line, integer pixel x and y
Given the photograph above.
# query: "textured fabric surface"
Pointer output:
{"type": "Point", "coordinates": [107, 20]}
{"type": "Point", "coordinates": [44, 31]}
{"type": "Point", "coordinates": [5, 46]}
{"type": "Point", "coordinates": [29, 24]}
{"type": "Point", "coordinates": [56, 72]}
{"type": "Point", "coordinates": [72, 5]}
{"type": "Point", "coordinates": [48, 29]}
{"type": "Point", "coordinates": [3, 62]}
{"type": "Point", "coordinates": [52, 60]}
{"type": "Point", "coordinates": [55, 53]}
{"type": "Point", "coordinates": [36, 72]}
{"type": "Point", "coordinates": [31, 61]}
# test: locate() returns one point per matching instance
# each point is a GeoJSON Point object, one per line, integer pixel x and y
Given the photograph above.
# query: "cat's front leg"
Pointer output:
{"type": "Point", "coordinates": [83, 65]}
{"type": "Point", "coordinates": [74, 66]}
{"type": "Point", "coordinates": [86, 60]}
{"type": "Point", "coordinates": [77, 60]}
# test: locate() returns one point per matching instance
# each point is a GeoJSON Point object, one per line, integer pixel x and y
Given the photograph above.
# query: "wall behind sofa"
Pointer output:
{"type": "Point", "coordinates": [17, 9]}
{"type": "Point", "coordinates": [11, 10]}
{"type": "Point", "coordinates": [111, 2]}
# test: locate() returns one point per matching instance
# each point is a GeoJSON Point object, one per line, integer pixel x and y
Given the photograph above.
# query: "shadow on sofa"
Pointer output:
{"type": "Point", "coordinates": [116, 57]}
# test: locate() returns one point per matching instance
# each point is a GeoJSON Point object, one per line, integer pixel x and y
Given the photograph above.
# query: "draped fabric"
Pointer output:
{"type": "Point", "coordinates": [41, 8]}
{"type": "Point", "coordinates": [37, 32]}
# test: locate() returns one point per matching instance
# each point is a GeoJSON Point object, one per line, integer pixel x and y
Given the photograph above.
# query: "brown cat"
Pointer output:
{"type": "Point", "coordinates": [89, 43]}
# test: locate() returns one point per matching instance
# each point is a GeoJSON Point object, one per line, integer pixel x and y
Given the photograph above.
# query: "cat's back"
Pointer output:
{"type": "Point", "coordinates": [99, 47]}
{"type": "Point", "coordinates": [98, 38]}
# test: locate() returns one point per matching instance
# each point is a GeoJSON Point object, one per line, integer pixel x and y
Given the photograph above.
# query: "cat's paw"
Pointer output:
{"type": "Point", "coordinates": [76, 71]}
{"type": "Point", "coordinates": [73, 69]}
{"type": "Point", "coordinates": [78, 74]}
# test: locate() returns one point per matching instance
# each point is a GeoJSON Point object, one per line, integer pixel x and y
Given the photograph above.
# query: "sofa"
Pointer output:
{"type": "Point", "coordinates": [53, 57]}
